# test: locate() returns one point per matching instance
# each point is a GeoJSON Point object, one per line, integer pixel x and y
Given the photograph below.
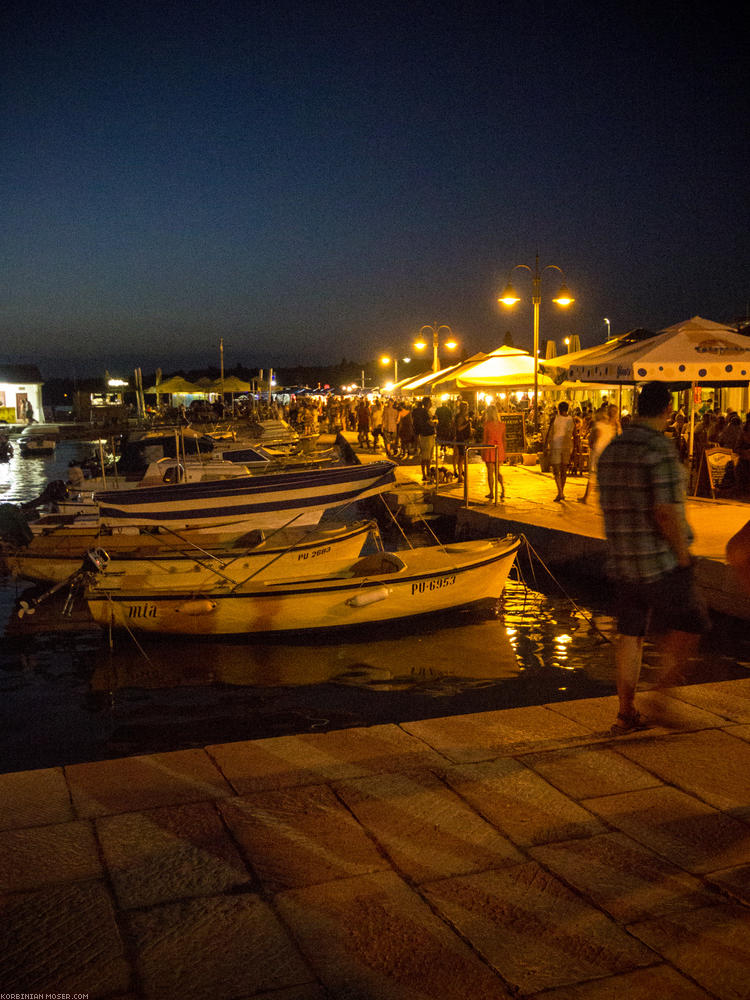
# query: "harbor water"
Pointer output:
{"type": "Point", "coordinates": [69, 695]}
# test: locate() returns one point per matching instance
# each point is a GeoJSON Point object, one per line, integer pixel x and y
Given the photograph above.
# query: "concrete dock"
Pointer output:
{"type": "Point", "coordinates": [519, 853]}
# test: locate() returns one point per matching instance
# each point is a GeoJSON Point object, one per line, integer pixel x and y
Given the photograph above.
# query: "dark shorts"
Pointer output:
{"type": "Point", "coordinates": [674, 603]}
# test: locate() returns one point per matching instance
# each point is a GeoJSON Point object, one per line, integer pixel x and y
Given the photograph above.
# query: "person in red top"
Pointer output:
{"type": "Point", "coordinates": [494, 433]}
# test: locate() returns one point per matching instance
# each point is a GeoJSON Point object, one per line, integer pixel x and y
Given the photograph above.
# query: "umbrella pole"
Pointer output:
{"type": "Point", "coordinates": [691, 431]}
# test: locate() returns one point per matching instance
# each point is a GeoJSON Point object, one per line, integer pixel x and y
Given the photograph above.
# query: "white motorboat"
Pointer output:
{"type": "Point", "coordinates": [377, 588]}
{"type": "Point", "coordinates": [264, 501]}
{"type": "Point", "coordinates": [156, 560]}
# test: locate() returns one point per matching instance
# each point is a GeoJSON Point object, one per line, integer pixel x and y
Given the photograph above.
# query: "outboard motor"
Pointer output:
{"type": "Point", "coordinates": [14, 526]}
{"type": "Point", "coordinates": [52, 492]}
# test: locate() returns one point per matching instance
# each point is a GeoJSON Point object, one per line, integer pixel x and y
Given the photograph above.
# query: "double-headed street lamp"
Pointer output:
{"type": "Point", "coordinates": [509, 298]}
{"type": "Point", "coordinates": [386, 359]}
{"type": "Point", "coordinates": [450, 344]}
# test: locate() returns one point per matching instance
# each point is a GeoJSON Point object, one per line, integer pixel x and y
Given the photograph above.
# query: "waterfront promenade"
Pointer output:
{"type": "Point", "coordinates": [521, 853]}
{"type": "Point", "coordinates": [517, 853]}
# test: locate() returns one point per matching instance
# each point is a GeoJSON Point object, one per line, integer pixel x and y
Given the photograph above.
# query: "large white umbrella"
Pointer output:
{"type": "Point", "coordinates": [697, 350]}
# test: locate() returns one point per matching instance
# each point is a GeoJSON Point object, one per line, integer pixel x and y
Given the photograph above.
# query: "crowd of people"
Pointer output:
{"type": "Point", "coordinates": [572, 434]}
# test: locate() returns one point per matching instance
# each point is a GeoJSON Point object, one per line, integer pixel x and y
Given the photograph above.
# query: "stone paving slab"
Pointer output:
{"type": "Point", "coordinates": [169, 854]}
{"type": "Point", "coordinates": [734, 881]}
{"type": "Point", "coordinates": [427, 831]}
{"type": "Point", "coordinates": [728, 699]}
{"type": "Point", "coordinates": [520, 803]}
{"type": "Point", "coordinates": [300, 836]}
{"type": "Point", "coordinates": [624, 878]}
{"type": "Point", "coordinates": [586, 772]}
{"type": "Point", "coordinates": [664, 712]}
{"type": "Point", "coordinates": [485, 735]}
{"type": "Point", "coordinates": [678, 826]}
{"type": "Point", "coordinates": [533, 929]}
{"type": "Point", "coordinates": [32, 858]}
{"type": "Point", "coordinates": [713, 765]}
{"type": "Point", "coordinates": [34, 798]}
{"type": "Point", "coordinates": [316, 758]}
{"type": "Point", "coordinates": [373, 937]}
{"type": "Point", "coordinates": [63, 939]}
{"type": "Point", "coordinates": [712, 945]}
{"type": "Point", "coordinates": [214, 949]}
{"type": "Point", "coordinates": [659, 982]}
{"type": "Point", "coordinates": [132, 783]}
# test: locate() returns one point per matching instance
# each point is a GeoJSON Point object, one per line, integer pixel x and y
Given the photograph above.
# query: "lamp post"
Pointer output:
{"type": "Point", "coordinates": [509, 298]}
{"type": "Point", "coordinates": [435, 330]}
{"type": "Point", "coordinates": [609, 328]}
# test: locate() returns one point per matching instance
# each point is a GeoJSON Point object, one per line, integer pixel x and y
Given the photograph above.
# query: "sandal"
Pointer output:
{"type": "Point", "coordinates": [633, 722]}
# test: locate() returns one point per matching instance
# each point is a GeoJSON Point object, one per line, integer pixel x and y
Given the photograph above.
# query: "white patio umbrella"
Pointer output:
{"type": "Point", "coordinates": [698, 351]}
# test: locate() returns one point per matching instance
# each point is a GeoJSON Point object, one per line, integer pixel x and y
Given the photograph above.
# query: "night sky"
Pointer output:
{"type": "Point", "coordinates": [313, 181]}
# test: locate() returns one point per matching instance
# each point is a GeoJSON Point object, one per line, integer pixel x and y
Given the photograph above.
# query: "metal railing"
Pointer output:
{"type": "Point", "coordinates": [464, 461]}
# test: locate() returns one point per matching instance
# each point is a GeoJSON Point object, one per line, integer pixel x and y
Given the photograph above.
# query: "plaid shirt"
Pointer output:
{"type": "Point", "coordinates": [636, 471]}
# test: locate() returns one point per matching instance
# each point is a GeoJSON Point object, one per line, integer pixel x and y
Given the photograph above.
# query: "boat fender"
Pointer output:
{"type": "Point", "coordinates": [198, 606]}
{"type": "Point", "coordinates": [369, 596]}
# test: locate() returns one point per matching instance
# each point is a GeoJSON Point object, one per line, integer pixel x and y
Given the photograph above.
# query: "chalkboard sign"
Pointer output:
{"type": "Point", "coordinates": [717, 461]}
{"type": "Point", "coordinates": [515, 432]}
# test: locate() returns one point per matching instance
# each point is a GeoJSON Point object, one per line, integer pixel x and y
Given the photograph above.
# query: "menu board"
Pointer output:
{"type": "Point", "coordinates": [515, 432]}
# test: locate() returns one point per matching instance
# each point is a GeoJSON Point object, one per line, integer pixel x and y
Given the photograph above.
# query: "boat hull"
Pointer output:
{"type": "Point", "coordinates": [260, 501]}
{"type": "Point", "coordinates": [425, 581]}
{"type": "Point", "coordinates": [151, 560]}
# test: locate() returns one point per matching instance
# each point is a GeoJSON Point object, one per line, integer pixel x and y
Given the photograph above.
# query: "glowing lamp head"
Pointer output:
{"type": "Point", "coordinates": [385, 360]}
{"type": "Point", "coordinates": [564, 298]}
{"type": "Point", "coordinates": [420, 345]}
{"type": "Point", "coordinates": [451, 345]}
{"type": "Point", "coordinates": [509, 296]}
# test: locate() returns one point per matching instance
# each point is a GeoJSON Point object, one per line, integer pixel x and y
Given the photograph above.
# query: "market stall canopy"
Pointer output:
{"type": "Point", "coordinates": [559, 366]}
{"type": "Point", "coordinates": [177, 385]}
{"type": "Point", "coordinates": [696, 350]}
{"type": "Point", "coordinates": [423, 381]}
{"type": "Point", "coordinates": [447, 380]}
{"type": "Point", "coordinates": [231, 384]}
{"type": "Point", "coordinates": [509, 367]}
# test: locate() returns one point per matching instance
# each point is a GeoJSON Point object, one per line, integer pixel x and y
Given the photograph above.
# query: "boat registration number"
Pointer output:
{"type": "Point", "coordinates": [314, 553]}
{"type": "Point", "coordinates": [141, 611]}
{"type": "Point", "coordinates": [424, 586]}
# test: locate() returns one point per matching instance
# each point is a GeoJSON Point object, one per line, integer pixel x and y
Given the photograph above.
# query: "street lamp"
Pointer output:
{"type": "Point", "coordinates": [509, 298]}
{"type": "Point", "coordinates": [435, 330]}
{"type": "Point", "coordinates": [386, 360]}
{"type": "Point", "coordinates": [609, 328]}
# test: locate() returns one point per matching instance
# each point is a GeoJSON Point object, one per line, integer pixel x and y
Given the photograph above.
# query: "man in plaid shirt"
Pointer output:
{"type": "Point", "coordinates": [641, 485]}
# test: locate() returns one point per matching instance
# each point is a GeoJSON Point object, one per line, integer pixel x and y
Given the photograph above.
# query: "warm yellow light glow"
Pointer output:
{"type": "Point", "coordinates": [450, 344]}
{"type": "Point", "coordinates": [420, 345]}
{"type": "Point", "coordinates": [509, 296]}
{"type": "Point", "coordinates": [564, 298]}
{"type": "Point", "coordinates": [388, 386]}
{"type": "Point", "coordinates": [385, 360]}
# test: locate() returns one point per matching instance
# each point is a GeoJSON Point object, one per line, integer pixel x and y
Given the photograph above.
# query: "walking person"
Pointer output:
{"type": "Point", "coordinates": [603, 430]}
{"type": "Point", "coordinates": [642, 495]}
{"type": "Point", "coordinates": [424, 428]}
{"type": "Point", "coordinates": [494, 434]}
{"type": "Point", "coordinates": [559, 441]}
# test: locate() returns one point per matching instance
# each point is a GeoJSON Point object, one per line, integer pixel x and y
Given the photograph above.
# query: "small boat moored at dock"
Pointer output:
{"type": "Point", "coordinates": [265, 501]}
{"type": "Point", "coordinates": [377, 588]}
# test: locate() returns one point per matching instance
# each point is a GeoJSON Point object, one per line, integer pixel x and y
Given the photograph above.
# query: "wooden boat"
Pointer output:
{"type": "Point", "coordinates": [255, 501]}
{"type": "Point", "coordinates": [54, 554]}
{"type": "Point", "coordinates": [377, 588]}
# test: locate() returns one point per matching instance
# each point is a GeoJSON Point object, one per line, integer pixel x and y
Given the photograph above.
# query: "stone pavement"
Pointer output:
{"type": "Point", "coordinates": [519, 853]}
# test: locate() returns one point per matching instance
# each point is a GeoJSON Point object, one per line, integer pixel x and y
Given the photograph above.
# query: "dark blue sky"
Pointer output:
{"type": "Point", "coordinates": [312, 181]}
